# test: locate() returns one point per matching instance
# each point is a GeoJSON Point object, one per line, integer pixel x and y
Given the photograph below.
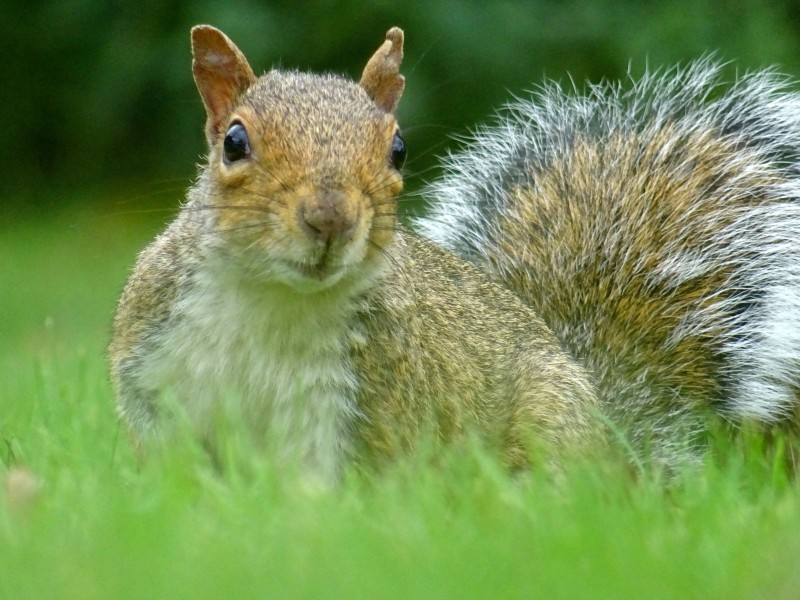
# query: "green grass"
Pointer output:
{"type": "Point", "coordinates": [105, 528]}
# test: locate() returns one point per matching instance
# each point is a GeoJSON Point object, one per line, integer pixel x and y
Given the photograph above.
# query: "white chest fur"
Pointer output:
{"type": "Point", "coordinates": [273, 358]}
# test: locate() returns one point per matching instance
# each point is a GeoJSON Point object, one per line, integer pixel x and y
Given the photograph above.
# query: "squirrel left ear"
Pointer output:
{"type": "Point", "coordinates": [221, 73]}
{"type": "Point", "coordinates": [381, 78]}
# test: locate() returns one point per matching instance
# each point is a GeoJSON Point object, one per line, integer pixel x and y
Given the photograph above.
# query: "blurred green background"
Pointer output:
{"type": "Point", "coordinates": [99, 95]}
{"type": "Point", "coordinates": [102, 126]}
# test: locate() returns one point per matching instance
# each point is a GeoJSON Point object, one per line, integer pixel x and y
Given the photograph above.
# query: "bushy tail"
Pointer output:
{"type": "Point", "coordinates": [656, 228]}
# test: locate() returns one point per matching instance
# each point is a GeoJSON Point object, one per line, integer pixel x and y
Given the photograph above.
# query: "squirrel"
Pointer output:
{"type": "Point", "coordinates": [655, 227]}
{"type": "Point", "coordinates": [286, 293]}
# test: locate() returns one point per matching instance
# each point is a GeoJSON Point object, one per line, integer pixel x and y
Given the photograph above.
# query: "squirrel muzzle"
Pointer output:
{"type": "Point", "coordinates": [328, 216]}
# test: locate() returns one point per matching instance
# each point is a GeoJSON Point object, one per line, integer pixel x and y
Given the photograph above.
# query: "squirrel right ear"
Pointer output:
{"type": "Point", "coordinates": [221, 73]}
{"type": "Point", "coordinates": [381, 77]}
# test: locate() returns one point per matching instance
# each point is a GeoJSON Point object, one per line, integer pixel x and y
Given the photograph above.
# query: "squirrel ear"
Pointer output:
{"type": "Point", "coordinates": [221, 73]}
{"type": "Point", "coordinates": [381, 77]}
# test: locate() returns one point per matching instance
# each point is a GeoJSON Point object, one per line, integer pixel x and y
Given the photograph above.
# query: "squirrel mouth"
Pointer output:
{"type": "Point", "coordinates": [320, 270]}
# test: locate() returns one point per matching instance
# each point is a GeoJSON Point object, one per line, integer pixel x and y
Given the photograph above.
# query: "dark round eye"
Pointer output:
{"type": "Point", "coordinates": [398, 151]}
{"type": "Point", "coordinates": [236, 145]}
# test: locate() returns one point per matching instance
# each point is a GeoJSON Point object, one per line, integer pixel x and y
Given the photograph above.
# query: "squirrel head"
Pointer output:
{"type": "Point", "coordinates": [303, 169]}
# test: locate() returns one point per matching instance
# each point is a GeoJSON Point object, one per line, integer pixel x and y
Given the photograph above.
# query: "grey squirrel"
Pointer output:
{"type": "Point", "coordinates": [286, 294]}
{"type": "Point", "coordinates": [635, 263]}
{"type": "Point", "coordinates": [656, 230]}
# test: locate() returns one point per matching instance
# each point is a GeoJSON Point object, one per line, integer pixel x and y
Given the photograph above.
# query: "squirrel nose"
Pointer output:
{"type": "Point", "coordinates": [328, 216]}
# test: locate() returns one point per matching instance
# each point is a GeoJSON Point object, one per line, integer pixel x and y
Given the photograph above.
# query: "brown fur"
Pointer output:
{"type": "Point", "coordinates": [627, 230]}
{"type": "Point", "coordinates": [653, 230]}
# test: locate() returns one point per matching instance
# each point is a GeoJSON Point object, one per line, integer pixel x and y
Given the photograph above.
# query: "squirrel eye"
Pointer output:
{"type": "Point", "coordinates": [236, 145]}
{"type": "Point", "coordinates": [398, 151]}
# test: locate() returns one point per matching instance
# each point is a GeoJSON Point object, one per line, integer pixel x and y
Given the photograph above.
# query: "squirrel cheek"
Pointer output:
{"type": "Point", "coordinates": [229, 176]}
{"type": "Point", "coordinates": [383, 209]}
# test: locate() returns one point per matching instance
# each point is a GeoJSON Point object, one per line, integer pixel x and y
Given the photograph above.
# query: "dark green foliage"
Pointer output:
{"type": "Point", "coordinates": [101, 94]}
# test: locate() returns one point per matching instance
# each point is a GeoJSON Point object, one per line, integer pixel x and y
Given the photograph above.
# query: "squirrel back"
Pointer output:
{"type": "Point", "coordinates": [656, 229]}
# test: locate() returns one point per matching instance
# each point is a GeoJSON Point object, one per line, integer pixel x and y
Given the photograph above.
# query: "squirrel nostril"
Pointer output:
{"type": "Point", "coordinates": [327, 218]}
